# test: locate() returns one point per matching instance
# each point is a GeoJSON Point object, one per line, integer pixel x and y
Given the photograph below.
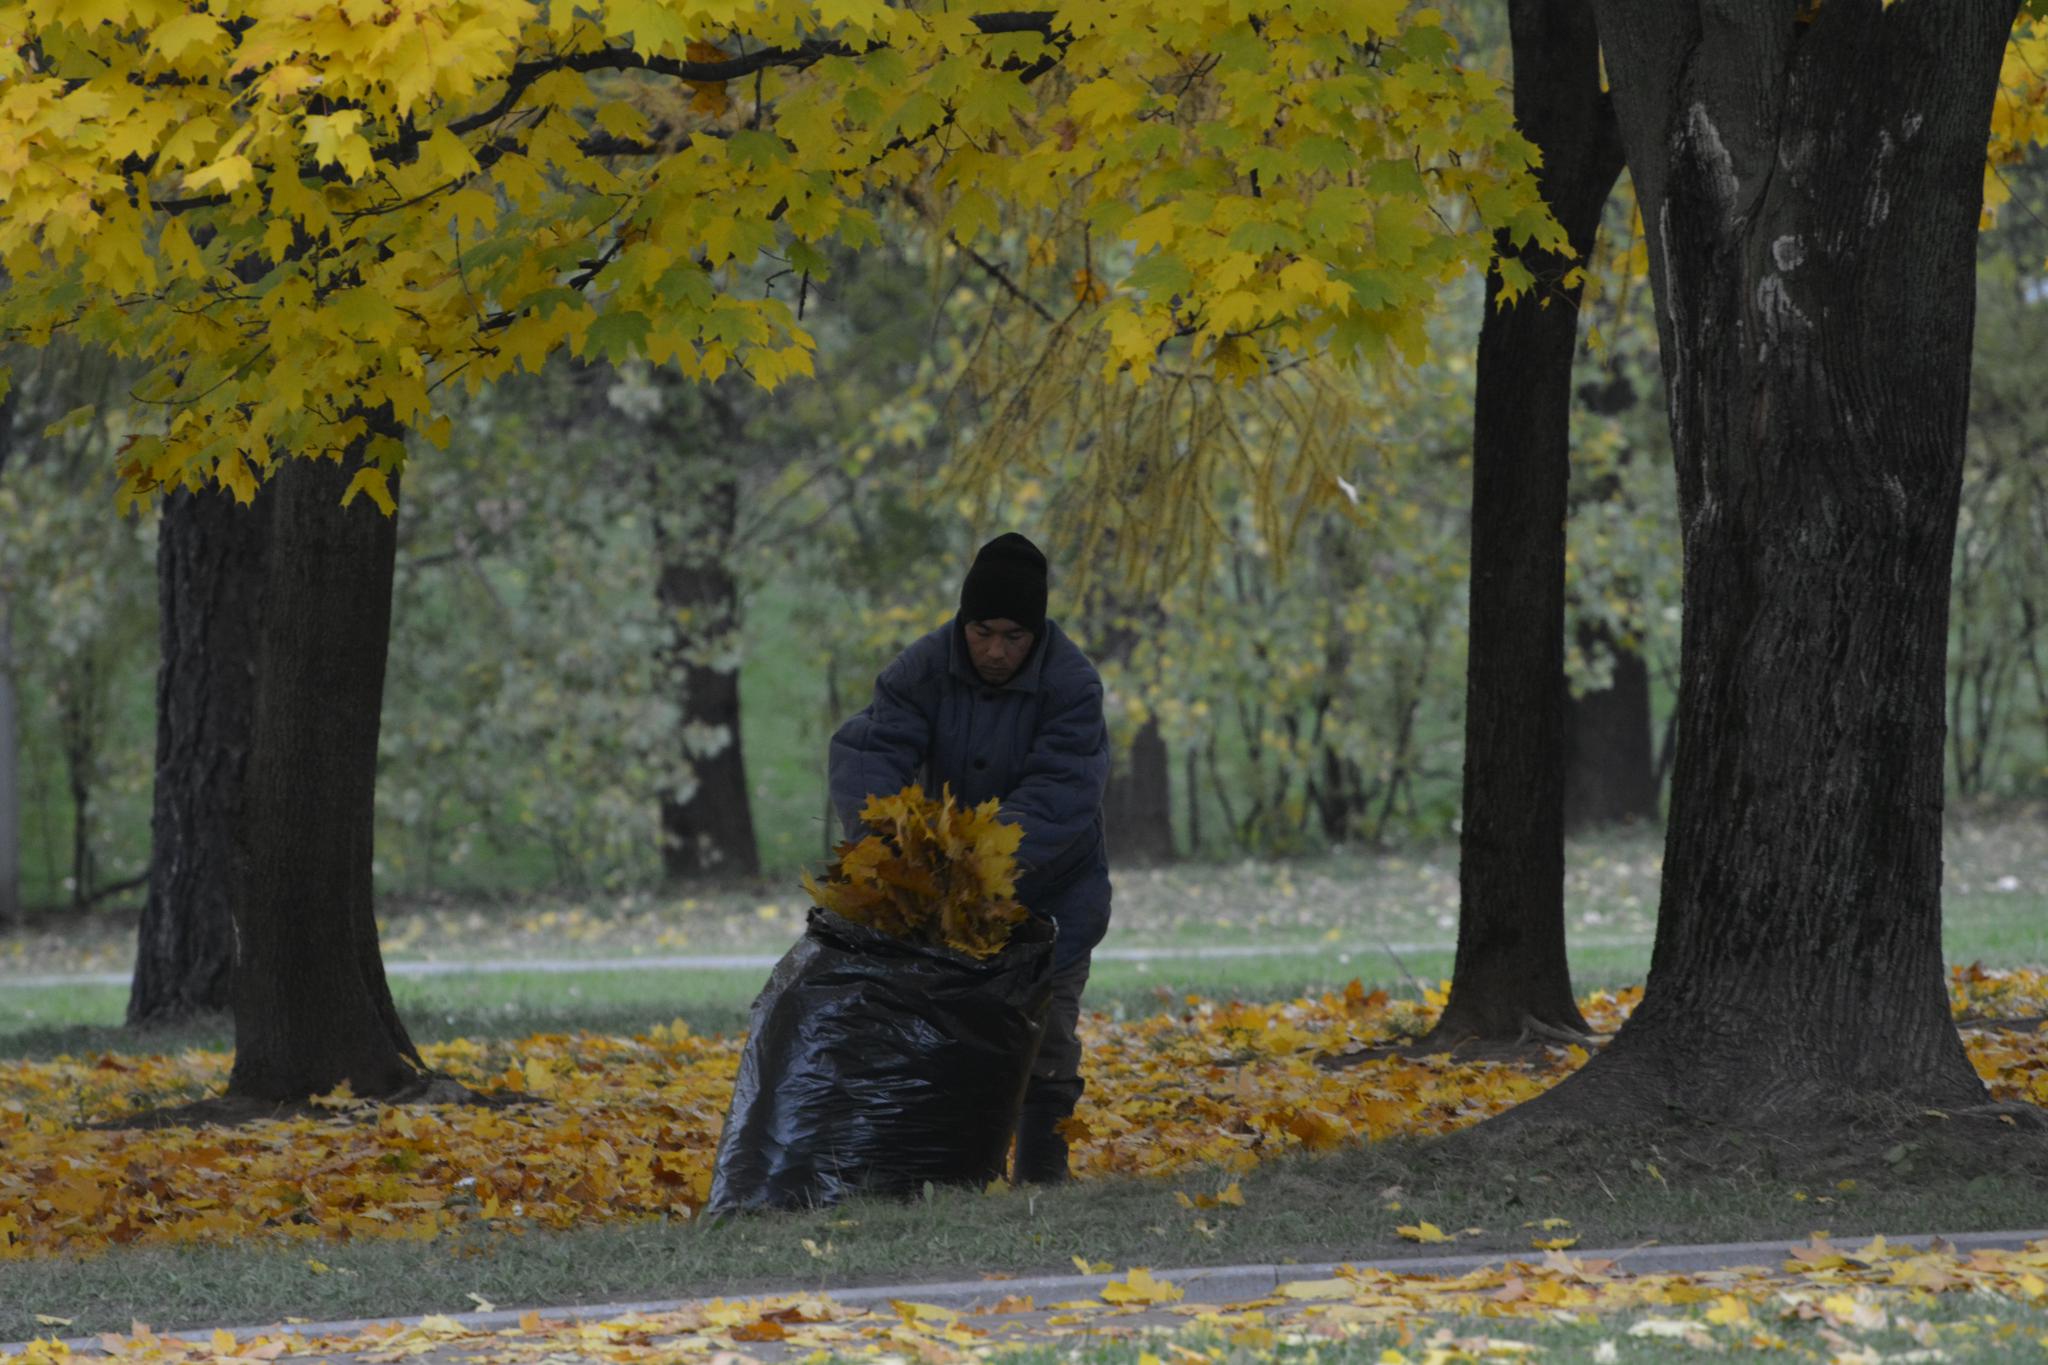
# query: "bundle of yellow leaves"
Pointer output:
{"type": "Point", "coordinates": [933, 872]}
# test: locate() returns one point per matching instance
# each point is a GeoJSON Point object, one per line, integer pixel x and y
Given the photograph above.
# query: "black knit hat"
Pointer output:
{"type": "Point", "coordinates": [1007, 581]}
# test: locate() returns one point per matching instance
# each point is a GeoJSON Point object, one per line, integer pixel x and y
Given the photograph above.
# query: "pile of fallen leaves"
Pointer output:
{"type": "Point", "coordinates": [627, 1127]}
{"type": "Point", "coordinates": [931, 872]}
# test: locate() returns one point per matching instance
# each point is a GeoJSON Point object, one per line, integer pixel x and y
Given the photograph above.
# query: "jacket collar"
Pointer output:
{"type": "Point", "coordinates": [1026, 679]}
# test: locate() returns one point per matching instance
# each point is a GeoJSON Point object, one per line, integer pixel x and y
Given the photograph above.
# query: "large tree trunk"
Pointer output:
{"type": "Point", "coordinates": [10, 733]}
{"type": "Point", "coordinates": [209, 565]}
{"type": "Point", "coordinates": [1137, 806]}
{"type": "Point", "coordinates": [1510, 968]}
{"type": "Point", "coordinates": [1812, 192]}
{"type": "Point", "coordinates": [10, 774]}
{"type": "Point", "coordinates": [709, 832]}
{"type": "Point", "coordinates": [311, 1005]}
{"type": "Point", "coordinates": [1610, 771]}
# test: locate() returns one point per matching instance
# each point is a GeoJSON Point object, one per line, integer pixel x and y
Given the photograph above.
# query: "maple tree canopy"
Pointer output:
{"type": "Point", "coordinates": [292, 214]}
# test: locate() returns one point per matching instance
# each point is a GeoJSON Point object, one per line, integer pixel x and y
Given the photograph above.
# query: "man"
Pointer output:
{"type": "Point", "coordinates": [1000, 703]}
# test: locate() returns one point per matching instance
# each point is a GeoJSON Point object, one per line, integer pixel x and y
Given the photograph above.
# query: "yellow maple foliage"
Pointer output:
{"type": "Point", "coordinates": [292, 212]}
{"type": "Point", "coordinates": [933, 872]}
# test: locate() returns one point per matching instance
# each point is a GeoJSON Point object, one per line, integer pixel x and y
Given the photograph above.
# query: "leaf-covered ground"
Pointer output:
{"type": "Point", "coordinates": [1842, 1303]}
{"type": "Point", "coordinates": [623, 1128]}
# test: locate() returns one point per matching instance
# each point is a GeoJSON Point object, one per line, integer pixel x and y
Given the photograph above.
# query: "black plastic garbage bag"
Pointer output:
{"type": "Point", "coordinates": [875, 1065]}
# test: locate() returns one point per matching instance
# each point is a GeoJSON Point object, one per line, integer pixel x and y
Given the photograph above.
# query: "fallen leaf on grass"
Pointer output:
{"type": "Point", "coordinates": [1674, 1329]}
{"type": "Point", "coordinates": [1229, 1195]}
{"type": "Point", "coordinates": [1423, 1232]}
{"type": "Point", "coordinates": [1088, 1267]}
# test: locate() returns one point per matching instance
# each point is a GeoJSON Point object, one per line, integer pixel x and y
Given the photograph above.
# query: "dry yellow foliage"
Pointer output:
{"type": "Point", "coordinates": [933, 872]}
{"type": "Point", "coordinates": [626, 1127]}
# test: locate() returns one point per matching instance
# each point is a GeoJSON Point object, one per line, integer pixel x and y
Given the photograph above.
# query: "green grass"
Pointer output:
{"type": "Point", "coordinates": [1335, 918]}
{"type": "Point", "coordinates": [1967, 1331]}
{"type": "Point", "coordinates": [43, 1022]}
{"type": "Point", "coordinates": [1617, 1188]}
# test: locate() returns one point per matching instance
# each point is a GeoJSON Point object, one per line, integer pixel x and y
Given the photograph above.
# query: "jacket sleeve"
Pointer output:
{"type": "Point", "coordinates": [1059, 798]}
{"type": "Point", "coordinates": [880, 750]}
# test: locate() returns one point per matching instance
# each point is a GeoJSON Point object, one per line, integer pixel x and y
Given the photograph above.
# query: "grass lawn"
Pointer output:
{"type": "Point", "coordinates": [1603, 1188]}
{"type": "Point", "coordinates": [1388, 920]}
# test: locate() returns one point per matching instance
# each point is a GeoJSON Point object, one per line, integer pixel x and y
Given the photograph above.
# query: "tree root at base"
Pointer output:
{"type": "Point", "coordinates": [1533, 1042]}
{"type": "Point", "coordinates": [232, 1111]}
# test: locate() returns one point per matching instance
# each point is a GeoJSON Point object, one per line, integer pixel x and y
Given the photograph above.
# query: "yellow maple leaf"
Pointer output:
{"type": "Point", "coordinates": [1140, 1287]}
{"type": "Point", "coordinates": [1230, 1194]}
{"type": "Point", "coordinates": [710, 97]}
{"type": "Point", "coordinates": [1423, 1232]}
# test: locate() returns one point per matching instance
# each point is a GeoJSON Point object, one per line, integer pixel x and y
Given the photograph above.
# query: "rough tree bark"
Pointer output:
{"type": "Point", "coordinates": [1810, 177]}
{"type": "Point", "coordinates": [1610, 773]}
{"type": "Point", "coordinates": [10, 774]}
{"type": "Point", "coordinates": [311, 1005]}
{"type": "Point", "coordinates": [209, 565]}
{"type": "Point", "coordinates": [710, 832]}
{"type": "Point", "coordinates": [1510, 969]}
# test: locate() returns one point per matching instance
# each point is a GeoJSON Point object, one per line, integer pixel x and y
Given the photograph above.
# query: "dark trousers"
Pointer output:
{"type": "Point", "coordinates": [1056, 1083]}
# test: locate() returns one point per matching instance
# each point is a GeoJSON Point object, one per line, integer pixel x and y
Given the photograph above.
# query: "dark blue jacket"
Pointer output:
{"type": "Point", "coordinates": [1038, 743]}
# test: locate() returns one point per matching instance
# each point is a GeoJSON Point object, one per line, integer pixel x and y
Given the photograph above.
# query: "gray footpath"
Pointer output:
{"type": "Point", "coordinates": [1200, 1284]}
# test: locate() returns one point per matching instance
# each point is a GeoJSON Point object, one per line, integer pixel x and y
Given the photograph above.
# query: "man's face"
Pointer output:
{"type": "Point", "coordinates": [998, 648]}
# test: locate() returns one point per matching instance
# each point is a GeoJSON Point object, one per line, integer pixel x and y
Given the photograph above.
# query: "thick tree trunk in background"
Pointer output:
{"type": "Point", "coordinates": [10, 774]}
{"type": "Point", "coordinates": [1610, 771]}
{"type": "Point", "coordinates": [311, 1005]}
{"type": "Point", "coordinates": [1137, 807]}
{"type": "Point", "coordinates": [209, 565]}
{"type": "Point", "coordinates": [1510, 967]}
{"type": "Point", "coordinates": [78, 734]}
{"type": "Point", "coordinates": [1812, 191]}
{"type": "Point", "coordinates": [710, 832]}
{"type": "Point", "coordinates": [10, 733]}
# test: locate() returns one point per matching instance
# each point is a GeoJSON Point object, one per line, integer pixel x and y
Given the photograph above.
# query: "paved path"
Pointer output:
{"type": "Point", "coordinates": [755, 962]}
{"type": "Point", "coordinates": [1054, 1298]}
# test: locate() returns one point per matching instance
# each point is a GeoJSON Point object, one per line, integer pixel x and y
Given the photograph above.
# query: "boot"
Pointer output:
{"type": "Point", "coordinates": [1041, 1148]}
